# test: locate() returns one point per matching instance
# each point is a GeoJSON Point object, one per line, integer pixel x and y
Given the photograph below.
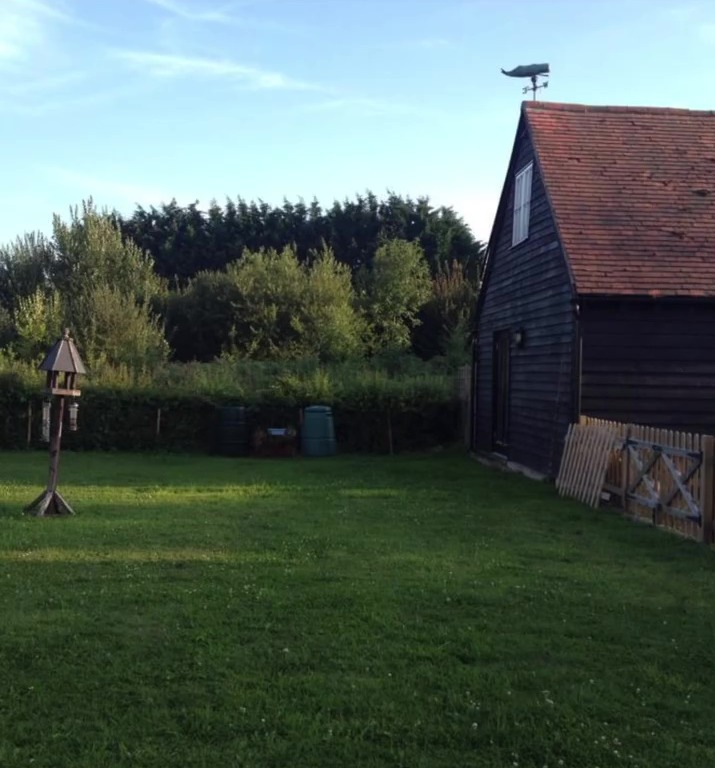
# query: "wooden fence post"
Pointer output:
{"type": "Point", "coordinates": [463, 387]}
{"type": "Point", "coordinates": [29, 423]}
{"type": "Point", "coordinates": [708, 492]}
{"type": "Point", "coordinates": [625, 466]}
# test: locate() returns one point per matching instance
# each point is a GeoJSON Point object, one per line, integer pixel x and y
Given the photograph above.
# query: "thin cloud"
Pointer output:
{"type": "Point", "coordinates": [21, 30]}
{"type": "Point", "coordinates": [187, 13]}
{"type": "Point", "coordinates": [34, 59]}
{"type": "Point", "coordinates": [37, 9]}
{"type": "Point", "coordinates": [25, 26]}
{"type": "Point", "coordinates": [172, 66]}
{"type": "Point", "coordinates": [225, 14]}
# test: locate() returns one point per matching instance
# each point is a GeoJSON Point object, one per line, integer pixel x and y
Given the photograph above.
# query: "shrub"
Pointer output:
{"type": "Point", "coordinates": [373, 411]}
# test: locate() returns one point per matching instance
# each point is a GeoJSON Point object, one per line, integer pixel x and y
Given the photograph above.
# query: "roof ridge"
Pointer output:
{"type": "Point", "coordinates": [556, 106]}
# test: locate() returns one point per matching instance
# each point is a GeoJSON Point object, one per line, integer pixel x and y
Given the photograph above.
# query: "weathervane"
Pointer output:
{"type": "Point", "coordinates": [533, 72]}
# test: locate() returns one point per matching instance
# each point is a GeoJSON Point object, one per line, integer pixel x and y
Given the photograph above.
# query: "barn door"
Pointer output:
{"type": "Point", "coordinates": [500, 399]}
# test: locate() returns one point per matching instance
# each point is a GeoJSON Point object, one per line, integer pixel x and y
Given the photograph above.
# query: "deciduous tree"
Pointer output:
{"type": "Point", "coordinates": [393, 291]}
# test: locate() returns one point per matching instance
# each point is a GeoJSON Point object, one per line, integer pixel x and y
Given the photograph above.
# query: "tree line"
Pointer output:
{"type": "Point", "coordinates": [185, 240]}
{"type": "Point", "coordinates": [245, 279]}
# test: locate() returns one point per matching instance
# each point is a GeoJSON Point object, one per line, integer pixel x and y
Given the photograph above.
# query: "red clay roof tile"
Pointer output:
{"type": "Point", "coordinates": [633, 193]}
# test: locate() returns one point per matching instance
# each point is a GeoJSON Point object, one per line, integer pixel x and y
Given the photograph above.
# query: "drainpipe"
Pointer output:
{"type": "Point", "coordinates": [577, 361]}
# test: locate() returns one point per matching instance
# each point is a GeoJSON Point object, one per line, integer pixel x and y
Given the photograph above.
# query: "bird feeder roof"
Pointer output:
{"type": "Point", "coordinates": [63, 357]}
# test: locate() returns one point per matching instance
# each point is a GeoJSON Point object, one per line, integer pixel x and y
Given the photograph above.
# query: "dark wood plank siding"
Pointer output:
{"type": "Point", "coordinates": [528, 287]}
{"type": "Point", "coordinates": [650, 362]}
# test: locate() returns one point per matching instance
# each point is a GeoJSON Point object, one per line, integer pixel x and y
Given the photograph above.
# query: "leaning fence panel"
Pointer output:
{"type": "Point", "coordinates": [656, 475]}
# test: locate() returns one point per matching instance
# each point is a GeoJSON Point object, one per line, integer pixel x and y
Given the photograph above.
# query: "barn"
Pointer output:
{"type": "Point", "coordinates": [599, 292]}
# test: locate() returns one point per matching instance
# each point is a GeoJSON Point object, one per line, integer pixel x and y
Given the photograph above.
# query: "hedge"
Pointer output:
{"type": "Point", "coordinates": [368, 419]}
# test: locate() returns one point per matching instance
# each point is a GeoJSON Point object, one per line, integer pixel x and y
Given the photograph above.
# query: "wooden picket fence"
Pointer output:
{"type": "Point", "coordinates": [661, 476]}
{"type": "Point", "coordinates": [587, 453]}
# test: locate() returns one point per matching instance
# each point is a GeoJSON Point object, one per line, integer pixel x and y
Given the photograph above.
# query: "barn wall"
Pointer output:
{"type": "Point", "coordinates": [650, 362]}
{"type": "Point", "coordinates": [528, 286]}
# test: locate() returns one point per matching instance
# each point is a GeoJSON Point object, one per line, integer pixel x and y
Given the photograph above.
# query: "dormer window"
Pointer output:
{"type": "Point", "coordinates": [522, 205]}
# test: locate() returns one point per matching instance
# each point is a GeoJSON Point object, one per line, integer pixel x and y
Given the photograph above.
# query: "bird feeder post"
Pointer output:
{"type": "Point", "coordinates": [63, 358]}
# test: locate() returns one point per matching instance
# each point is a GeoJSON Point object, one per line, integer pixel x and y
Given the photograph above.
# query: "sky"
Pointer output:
{"type": "Point", "coordinates": [136, 102]}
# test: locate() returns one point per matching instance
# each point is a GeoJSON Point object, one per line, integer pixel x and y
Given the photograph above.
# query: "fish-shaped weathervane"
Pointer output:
{"type": "Point", "coordinates": [528, 70]}
{"type": "Point", "coordinates": [532, 71]}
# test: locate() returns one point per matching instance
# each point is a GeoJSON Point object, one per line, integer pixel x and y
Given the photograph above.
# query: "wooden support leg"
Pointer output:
{"type": "Point", "coordinates": [55, 443]}
{"type": "Point", "coordinates": [51, 501]}
{"type": "Point", "coordinates": [40, 505]}
{"type": "Point", "coordinates": [49, 504]}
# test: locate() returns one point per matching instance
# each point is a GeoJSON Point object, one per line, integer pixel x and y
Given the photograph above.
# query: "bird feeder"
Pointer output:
{"type": "Point", "coordinates": [62, 365]}
{"type": "Point", "coordinates": [73, 409]}
{"type": "Point", "coordinates": [46, 410]}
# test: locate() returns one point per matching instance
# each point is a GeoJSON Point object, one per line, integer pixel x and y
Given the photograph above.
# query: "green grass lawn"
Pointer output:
{"type": "Point", "coordinates": [416, 611]}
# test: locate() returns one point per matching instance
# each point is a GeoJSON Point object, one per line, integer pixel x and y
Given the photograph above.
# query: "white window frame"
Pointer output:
{"type": "Point", "coordinates": [522, 204]}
